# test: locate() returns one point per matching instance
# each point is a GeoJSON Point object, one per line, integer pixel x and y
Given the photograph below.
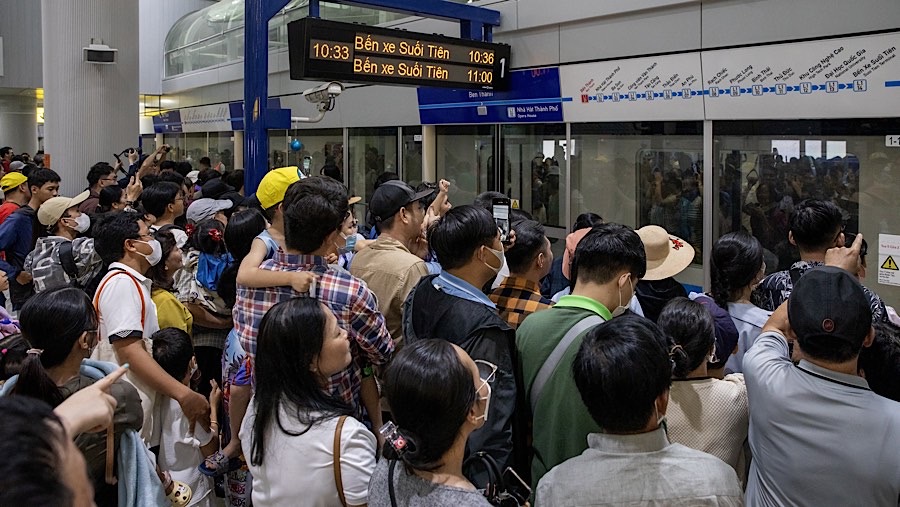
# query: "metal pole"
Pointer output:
{"type": "Point", "coordinates": [257, 14]}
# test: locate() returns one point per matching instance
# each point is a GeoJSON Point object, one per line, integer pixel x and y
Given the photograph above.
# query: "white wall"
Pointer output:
{"type": "Point", "coordinates": [20, 27]}
{"type": "Point", "coordinates": [569, 31]}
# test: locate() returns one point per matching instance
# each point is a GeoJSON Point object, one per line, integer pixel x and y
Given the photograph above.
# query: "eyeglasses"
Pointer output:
{"type": "Point", "coordinates": [487, 372]}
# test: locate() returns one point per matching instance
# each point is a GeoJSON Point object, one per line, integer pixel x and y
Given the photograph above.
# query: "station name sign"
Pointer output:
{"type": "Point", "coordinates": [358, 53]}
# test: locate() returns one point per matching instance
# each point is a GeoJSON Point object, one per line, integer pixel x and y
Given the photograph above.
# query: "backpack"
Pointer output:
{"type": "Point", "coordinates": [67, 260]}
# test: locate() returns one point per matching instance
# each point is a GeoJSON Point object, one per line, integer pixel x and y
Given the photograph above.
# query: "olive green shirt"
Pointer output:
{"type": "Point", "coordinates": [561, 422]}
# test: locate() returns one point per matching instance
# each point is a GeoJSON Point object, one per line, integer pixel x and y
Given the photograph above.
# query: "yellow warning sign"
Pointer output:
{"type": "Point", "coordinates": [890, 263]}
{"type": "Point", "coordinates": [515, 204]}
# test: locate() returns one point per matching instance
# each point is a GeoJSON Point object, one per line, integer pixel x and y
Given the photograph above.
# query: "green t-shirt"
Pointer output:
{"type": "Point", "coordinates": [561, 422]}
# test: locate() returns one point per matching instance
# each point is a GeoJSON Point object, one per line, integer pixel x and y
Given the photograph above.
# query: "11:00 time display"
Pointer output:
{"type": "Point", "coordinates": [480, 76]}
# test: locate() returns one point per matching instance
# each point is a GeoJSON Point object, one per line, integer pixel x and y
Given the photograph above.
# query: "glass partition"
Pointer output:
{"type": "Point", "coordinates": [148, 143]}
{"type": "Point", "coordinates": [535, 163]}
{"type": "Point", "coordinates": [412, 155]}
{"type": "Point", "coordinates": [465, 157]}
{"type": "Point", "coordinates": [221, 149]}
{"type": "Point", "coordinates": [765, 168]}
{"type": "Point", "coordinates": [176, 142]}
{"type": "Point", "coordinates": [639, 174]}
{"type": "Point", "coordinates": [372, 151]}
{"type": "Point", "coordinates": [279, 149]}
{"type": "Point", "coordinates": [322, 147]}
{"type": "Point", "coordinates": [196, 146]}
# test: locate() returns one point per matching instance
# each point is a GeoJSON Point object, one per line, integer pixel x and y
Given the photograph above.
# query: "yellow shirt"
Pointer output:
{"type": "Point", "coordinates": [170, 312]}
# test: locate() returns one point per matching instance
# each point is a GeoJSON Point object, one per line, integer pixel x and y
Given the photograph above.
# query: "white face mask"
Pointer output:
{"type": "Point", "coordinates": [500, 257]}
{"type": "Point", "coordinates": [82, 222]}
{"type": "Point", "coordinates": [156, 253]}
{"type": "Point", "coordinates": [621, 309]}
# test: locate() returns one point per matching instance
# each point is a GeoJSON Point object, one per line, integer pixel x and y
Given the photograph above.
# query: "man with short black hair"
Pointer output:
{"type": "Point", "coordinates": [20, 231]}
{"type": "Point", "coordinates": [818, 434]}
{"type": "Point", "coordinates": [388, 266]}
{"type": "Point", "coordinates": [529, 260]}
{"type": "Point", "coordinates": [166, 202]}
{"type": "Point", "coordinates": [314, 209]}
{"type": "Point", "coordinates": [450, 306]}
{"type": "Point", "coordinates": [128, 315]}
{"type": "Point", "coordinates": [101, 175]}
{"type": "Point", "coordinates": [608, 262]}
{"type": "Point", "coordinates": [623, 373]}
{"type": "Point", "coordinates": [815, 226]}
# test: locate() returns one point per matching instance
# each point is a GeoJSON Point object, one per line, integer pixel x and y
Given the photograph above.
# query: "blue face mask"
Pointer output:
{"type": "Point", "coordinates": [210, 268]}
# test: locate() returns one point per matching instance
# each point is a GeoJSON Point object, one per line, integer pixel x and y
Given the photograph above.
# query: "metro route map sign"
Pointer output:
{"type": "Point", "coordinates": [357, 53]}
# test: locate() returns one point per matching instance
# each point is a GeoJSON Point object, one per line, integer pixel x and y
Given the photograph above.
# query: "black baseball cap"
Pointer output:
{"type": "Point", "coordinates": [391, 196]}
{"type": "Point", "coordinates": [828, 301]}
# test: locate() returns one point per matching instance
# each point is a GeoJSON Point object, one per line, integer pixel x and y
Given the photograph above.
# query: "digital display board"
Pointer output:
{"type": "Point", "coordinates": [351, 52]}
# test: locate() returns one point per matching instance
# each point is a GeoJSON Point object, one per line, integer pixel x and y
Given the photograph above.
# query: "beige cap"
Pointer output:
{"type": "Point", "coordinates": [52, 210]}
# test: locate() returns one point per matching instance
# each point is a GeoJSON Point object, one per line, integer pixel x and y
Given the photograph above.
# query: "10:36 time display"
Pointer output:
{"type": "Point", "coordinates": [324, 50]}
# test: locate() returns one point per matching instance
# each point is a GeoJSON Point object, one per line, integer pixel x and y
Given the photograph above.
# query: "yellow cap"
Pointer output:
{"type": "Point", "coordinates": [275, 183]}
{"type": "Point", "coordinates": [12, 180]}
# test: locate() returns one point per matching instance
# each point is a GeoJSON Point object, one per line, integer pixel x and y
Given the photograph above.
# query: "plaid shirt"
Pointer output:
{"type": "Point", "coordinates": [517, 298]}
{"type": "Point", "coordinates": [776, 288]}
{"type": "Point", "coordinates": [351, 301]}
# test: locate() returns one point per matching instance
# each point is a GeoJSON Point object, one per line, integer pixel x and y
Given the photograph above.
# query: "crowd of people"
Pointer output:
{"type": "Point", "coordinates": [170, 340]}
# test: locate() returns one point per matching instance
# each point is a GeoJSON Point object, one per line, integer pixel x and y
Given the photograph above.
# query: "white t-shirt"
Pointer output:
{"type": "Point", "coordinates": [119, 302]}
{"type": "Point", "coordinates": [296, 467]}
{"type": "Point", "coordinates": [179, 451]}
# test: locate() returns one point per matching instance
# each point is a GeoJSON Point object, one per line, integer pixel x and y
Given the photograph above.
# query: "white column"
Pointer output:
{"type": "Point", "coordinates": [91, 110]}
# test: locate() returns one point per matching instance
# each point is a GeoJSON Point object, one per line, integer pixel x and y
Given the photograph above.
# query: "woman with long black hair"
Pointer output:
{"type": "Point", "coordinates": [61, 327]}
{"type": "Point", "coordinates": [301, 442]}
{"type": "Point", "coordinates": [438, 397]}
{"type": "Point", "coordinates": [737, 266]}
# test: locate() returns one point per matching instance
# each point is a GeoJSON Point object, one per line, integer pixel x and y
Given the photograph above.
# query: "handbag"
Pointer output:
{"type": "Point", "coordinates": [504, 489]}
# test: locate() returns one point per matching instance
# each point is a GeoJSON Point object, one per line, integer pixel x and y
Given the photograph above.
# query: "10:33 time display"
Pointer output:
{"type": "Point", "coordinates": [324, 50]}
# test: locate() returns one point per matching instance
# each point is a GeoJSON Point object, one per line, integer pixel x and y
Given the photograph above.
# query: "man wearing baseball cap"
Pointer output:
{"type": "Point", "coordinates": [387, 266]}
{"type": "Point", "coordinates": [62, 257]}
{"type": "Point", "coordinates": [818, 434]}
{"type": "Point", "coordinates": [15, 193]}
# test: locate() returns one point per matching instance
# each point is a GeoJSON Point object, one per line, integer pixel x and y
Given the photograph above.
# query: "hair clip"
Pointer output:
{"type": "Point", "coordinates": [36, 352]}
{"type": "Point", "coordinates": [189, 229]}
{"type": "Point", "coordinates": [3, 352]}
{"type": "Point", "coordinates": [392, 436]}
{"type": "Point", "coordinates": [216, 235]}
{"type": "Point", "coordinates": [676, 347]}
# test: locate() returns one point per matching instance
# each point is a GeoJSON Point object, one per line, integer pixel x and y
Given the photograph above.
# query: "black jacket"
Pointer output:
{"type": "Point", "coordinates": [479, 330]}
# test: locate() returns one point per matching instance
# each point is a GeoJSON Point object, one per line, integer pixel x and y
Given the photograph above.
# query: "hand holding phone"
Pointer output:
{"type": "Point", "coordinates": [500, 210]}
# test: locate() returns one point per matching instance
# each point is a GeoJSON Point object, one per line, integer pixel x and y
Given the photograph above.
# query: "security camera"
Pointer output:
{"type": "Point", "coordinates": [99, 54]}
{"type": "Point", "coordinates": [323, 93]}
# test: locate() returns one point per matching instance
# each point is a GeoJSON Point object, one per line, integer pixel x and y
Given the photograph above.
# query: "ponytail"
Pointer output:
{"type": "Point", "coordinates": [690, 327]}
{"type": "Point", "coordinates": [35, 382]}
{"type": "Point", "coordinates": [681, 362]}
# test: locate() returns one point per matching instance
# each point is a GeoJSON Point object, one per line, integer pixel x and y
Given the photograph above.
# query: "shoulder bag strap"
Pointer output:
{"type": "Point", "coordinates": [67, 259]}
{"type": "Point", "coordinates": [391, 483]}
{"type": "Point", "coordinates": [136, 286]}
{"type": "Point", "coordinates": [337, 460]}
{"type": "Point", "coordinates": [555, 357]}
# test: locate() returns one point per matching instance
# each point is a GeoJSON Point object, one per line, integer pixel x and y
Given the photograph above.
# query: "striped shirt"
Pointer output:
{"type": "Point", "coordinates": [517, 298]}
{"type": "Point", "coordinates": [351, 301]}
